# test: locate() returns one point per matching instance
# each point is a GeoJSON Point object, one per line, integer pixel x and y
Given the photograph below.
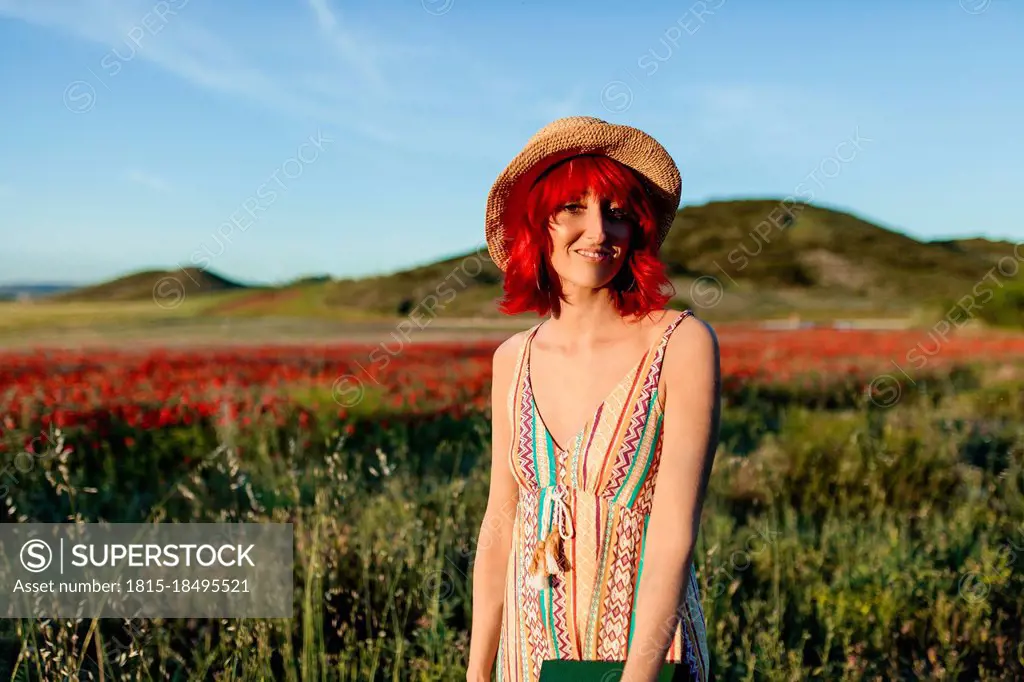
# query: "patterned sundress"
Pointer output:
{"type": "Point", "coordinates": [580, 529]}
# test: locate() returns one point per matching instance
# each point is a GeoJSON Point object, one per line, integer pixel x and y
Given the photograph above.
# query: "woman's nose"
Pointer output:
{"type": "Point", "coordinates": [596, 223]}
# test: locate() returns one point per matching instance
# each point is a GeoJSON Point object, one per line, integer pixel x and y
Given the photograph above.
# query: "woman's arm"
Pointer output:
{"type": "Point", "coordinates": [691, 376]}
{"type": "Point", "coordinates": [495, 539]}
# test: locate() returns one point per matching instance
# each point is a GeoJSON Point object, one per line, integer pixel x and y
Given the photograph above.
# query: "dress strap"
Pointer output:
{"type": "Point", "coordinates": [668, 330]}
{"type": "Point", "coordinates": [516, 385]}
{"type": "Point", "coordinates": [527, 346]}
{"type": "Point", "coordinates": [659, 357]}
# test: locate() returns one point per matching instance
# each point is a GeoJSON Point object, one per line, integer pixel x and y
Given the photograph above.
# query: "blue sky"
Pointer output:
{"type": "Point", "coordinates": [352, 138]}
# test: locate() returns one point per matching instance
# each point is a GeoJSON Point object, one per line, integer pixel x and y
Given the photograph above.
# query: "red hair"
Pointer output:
{"type": "Point", "coordinates": [641, 285]}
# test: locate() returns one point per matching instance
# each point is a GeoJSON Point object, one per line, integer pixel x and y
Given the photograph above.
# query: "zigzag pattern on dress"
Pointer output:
{"type": "Point", "coordinates": [525, 449]}
{"type": "Point", "coordinates": [645, 499]}
{"type": "Point", "coordinates": [614, 637]}
{"type": "Point", "coordinates": [659, 355]}
{"type": "Point", "coordinates": [639, 420]}
{"type": "Point", "coordinates": [600, 433]}
{"type": "Point", "coordinates": [560, 618]}
{"type": "Point", "coordinates": [520, 621]}
{"type": "Point", "coordinates": [631, 439]}
{"type": "Point", "coordinates": [559, 614]}
{"type": "Point", "coordinates": [587, 600]}
{"type": "Point", "coordinates": [529, 599]}
{"type": "Point", "coordinates": [623, 459]}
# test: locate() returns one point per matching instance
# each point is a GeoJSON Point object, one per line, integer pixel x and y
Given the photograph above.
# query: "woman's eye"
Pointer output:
{"type": "Point", "coordinates": [572, 207]}
{"type": "Point", "coordinates": [620, 214]}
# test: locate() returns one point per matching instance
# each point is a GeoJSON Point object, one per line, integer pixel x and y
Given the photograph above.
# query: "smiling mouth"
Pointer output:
{"type": "Point", "coordinates": [595, 254]}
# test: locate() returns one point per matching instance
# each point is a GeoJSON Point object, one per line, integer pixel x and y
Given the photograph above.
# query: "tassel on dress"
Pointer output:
{"type": "Point", "coordinates": [549, 556]}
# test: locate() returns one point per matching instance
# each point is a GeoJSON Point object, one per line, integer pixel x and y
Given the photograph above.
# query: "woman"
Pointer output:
{"type": "Point", "coordinates": [605, 417]}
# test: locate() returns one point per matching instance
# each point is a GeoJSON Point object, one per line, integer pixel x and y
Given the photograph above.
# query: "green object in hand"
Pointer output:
{"type": "Point", "coordinates": [604, 671]}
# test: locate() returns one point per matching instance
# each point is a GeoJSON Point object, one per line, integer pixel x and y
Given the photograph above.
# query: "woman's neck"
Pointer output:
{"type": "Point", "coordinates": [586, 317]}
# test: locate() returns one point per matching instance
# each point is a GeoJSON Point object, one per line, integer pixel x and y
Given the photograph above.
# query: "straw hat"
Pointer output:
{"type": "Point", "coordinates": [572, 136]}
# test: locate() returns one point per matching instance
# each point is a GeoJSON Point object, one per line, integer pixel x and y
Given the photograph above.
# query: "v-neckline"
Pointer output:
{"type": "Point", "coordinates": [593, 417]}
{"type": "Point", "coordinates": [597, 410]}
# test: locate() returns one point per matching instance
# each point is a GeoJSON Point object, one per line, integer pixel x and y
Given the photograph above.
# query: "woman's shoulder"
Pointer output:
{"type": "Point", "coordinates": [507, 353]}
{"type": "Point", "coordinates": [693, 339]}
{"type": "Point", "coordinates": [683, 320]}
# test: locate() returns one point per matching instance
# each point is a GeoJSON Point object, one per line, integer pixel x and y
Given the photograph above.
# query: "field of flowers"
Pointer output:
{"type": "Point", "coordinates": [865, 518]}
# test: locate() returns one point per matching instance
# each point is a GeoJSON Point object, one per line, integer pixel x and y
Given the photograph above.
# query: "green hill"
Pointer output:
{"type": "Point", "coordinates": [757, 243]}
{"type": "Point", "coordinates": [820, 260]}
{"type": "Point", "coordinates": [815, 261]}
{"type": "Point", "coordinates": [141, 286]}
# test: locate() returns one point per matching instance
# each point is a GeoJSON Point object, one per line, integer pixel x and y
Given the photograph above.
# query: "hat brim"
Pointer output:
{"type": "Point", "coordinates": [627, 145]}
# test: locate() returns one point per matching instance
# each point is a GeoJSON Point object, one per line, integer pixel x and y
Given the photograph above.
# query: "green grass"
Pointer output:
{"type": "Point", "coordinates": [317, 397]}
{"type": "Point", "coordinates": [844, 544]}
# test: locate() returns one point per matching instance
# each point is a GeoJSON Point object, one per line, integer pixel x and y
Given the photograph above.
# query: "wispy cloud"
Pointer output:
{"type": "Point", "coordinates": [359, 54]}
{"type": "Point", "coordinates": [349, 77]}
{"type": "Point", "coordinates": [148, 180]}
{"type": "Point", "coordinates": [182, 47]}
{"type": "Point", "coordinates": [352, 83]}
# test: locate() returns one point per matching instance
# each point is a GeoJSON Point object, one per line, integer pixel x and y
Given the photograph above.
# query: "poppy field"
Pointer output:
{"type": "Point", "coordinates": [865, 518]}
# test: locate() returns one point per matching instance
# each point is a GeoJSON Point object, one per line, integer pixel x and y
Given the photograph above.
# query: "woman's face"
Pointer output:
{"type": "Point", "coordinates": [590, 240]}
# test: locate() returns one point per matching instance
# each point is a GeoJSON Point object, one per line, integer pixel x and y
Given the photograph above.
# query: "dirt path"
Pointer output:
{"type": "Point", "coordinates": [233, 332]}
{"type": "Point", "coordinates": [192, 332]}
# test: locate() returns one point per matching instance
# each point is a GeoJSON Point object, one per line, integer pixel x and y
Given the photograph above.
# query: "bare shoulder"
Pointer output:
{"type": "Point", "coordinates": [509, 348]}
{"type": "Point", "coordinates": [507, 353]}
{"type": "Point", "coordinates": [692, 348]}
